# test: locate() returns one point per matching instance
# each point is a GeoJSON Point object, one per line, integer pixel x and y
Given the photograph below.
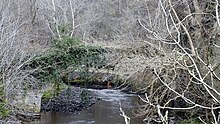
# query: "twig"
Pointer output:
{"type": "Point", "coordinates": [126, 118]}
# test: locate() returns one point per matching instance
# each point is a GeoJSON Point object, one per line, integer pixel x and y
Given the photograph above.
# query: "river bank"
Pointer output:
{"type": "Point", "coordinates": [69, 100]}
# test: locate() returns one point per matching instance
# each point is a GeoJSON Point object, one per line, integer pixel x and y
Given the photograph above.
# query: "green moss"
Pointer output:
{"type": "Point", "coordinates": [48, 94]}
{"type": "Point", "coordinates": [63, 86]}
{"type": "Point", "coordinates": [78, 81]}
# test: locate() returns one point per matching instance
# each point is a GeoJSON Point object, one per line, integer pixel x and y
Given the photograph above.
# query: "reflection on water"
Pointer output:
{"type": "Point", "coordinates": [105, 111]}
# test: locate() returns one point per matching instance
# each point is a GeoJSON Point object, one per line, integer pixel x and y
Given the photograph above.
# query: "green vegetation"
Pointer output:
{"type": "Point", "coordinates": [65, 52]}
{"type": "Point", "coordinates": [48, 94]}
{"type": "Point", "coordinates": [191, 121]}
{"type": "Point", "coordinates": [166, 49]}
{"type": "Point", "coordinates": [65, 28]}
{"type": "Point", "coordinates": [4, 112]}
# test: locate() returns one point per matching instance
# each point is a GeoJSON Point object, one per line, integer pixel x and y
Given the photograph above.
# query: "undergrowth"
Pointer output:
{"type": "Point", "coordinates": [65, 52]}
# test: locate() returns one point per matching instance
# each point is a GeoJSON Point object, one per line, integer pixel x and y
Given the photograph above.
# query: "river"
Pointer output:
{"type": "Point", "coordinates": [104, 111]}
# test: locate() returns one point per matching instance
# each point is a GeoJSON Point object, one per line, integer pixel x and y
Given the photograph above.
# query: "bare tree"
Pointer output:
{"type": "Point", "coordinates": [66, 17]}
{"type": "Point", "coordinates": [16, 50]}
{"type": "Point", "coordinates": [188, 77]}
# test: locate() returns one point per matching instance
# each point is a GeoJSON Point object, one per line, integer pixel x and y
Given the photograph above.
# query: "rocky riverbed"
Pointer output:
{"type": "Point", "coordinates": [69, 101]}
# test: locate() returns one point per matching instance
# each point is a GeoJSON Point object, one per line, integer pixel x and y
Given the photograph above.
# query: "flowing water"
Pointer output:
{"type": "Point", "coordinates": [104, 111]}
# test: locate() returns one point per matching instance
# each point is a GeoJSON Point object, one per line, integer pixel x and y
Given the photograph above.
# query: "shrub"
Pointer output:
{"type": "Point", "coordinates": [65, 52]}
